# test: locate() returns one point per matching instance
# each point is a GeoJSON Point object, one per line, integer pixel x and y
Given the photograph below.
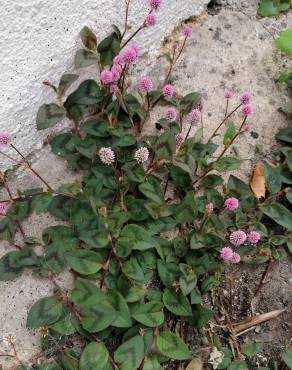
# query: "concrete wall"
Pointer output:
{"type": "Point", "coordinates": [38, 42]}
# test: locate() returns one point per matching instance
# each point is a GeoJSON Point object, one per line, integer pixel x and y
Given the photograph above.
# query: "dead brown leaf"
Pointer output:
{"type": "Point", "coordinates": [255, 320]}
{"type": "Point", "coordinates": [195, 364]}
{"type": "Point", "coordinates": [257, 182]}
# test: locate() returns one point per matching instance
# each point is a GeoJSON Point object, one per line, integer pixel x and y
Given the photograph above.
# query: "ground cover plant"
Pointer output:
{"type": "Point", "coordinates": [152, 224]}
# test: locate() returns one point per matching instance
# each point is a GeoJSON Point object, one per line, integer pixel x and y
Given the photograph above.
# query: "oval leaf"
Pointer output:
{"type": "Point", "coordinates": [172, 346]}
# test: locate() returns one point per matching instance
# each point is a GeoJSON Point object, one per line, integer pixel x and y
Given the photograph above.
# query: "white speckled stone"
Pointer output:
{"type": "Point", "coordinates": [38, 42]}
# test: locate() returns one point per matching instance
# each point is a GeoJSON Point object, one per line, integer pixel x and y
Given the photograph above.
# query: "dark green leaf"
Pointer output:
{"type": "Point", "coordinates": [84, 262]}
{"type": "Point", "coordinates": [287, 357]}
{"type": "Point", "coordinates": [226, 164]}
{"type": "Point", "coordinates": [130, 354]}
{"type": "Point", "coordinates": [88, 38]}
{"type": "Point", "coordinates": [85, 58]}
{"type": "Point", "coordinates": [176, 303]}
{"type": "Point", "coordinates": [150, 314]}
{"type": "Point", "coordinates": [48, 115]}
{"type": "Point", "coordinates": [45, 312]}
{"type": "Point", "coordinates": [172, 346]}
{"type": "Point", "coordinates": [279, 214]}
{"type": "Point", "coordinates": [94, 357]}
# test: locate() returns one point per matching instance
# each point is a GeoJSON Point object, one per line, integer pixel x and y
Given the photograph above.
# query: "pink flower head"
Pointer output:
{"type": "Point", "coordinates": [151, 20]}
{"type": "Point", "coordinates": [187, 31]}
{"type": "Point", "coordinates": [130, 55]}
{"type": "Point", "coordinates": [5, 138]}
{"type": "Point", "coordinates": [170, 114]}
{"type": "Point", "coordinates": [235, 258]}
{"type": "Point", "coordinates": [226, 254]}
{"type": "Point", "coordinates": [168, 90]}
{"type": "Point", "coordinates": [118, 59]}
{"type": "Point", "coordinates": [231, 204]}
{"type": "Point", "coordinates": [106, 76]}
{"type": "Point", "coordinates": [247, 110]}
{"type": "Point", "coordinates": [253, 237]}
{"type": "Point", "coordinates": [245, 98]}
{"type": "Point", "coordinates": [3, 208]}
{"type": "Point", "coordinates": [116, 72]}
{"type": "Point", "coordinates": [155, 4]}
{"type": "Point", "coordinates": [237, 238]}
{"type": "Point", "coordinates": [114, 89]}
{"type": "Point", "coordinates": [136, 48]}
{"type": "Point", "coordinates": [194, 117]}
{"type": "Point", "coordinates": [228, 94]}
{"type": "Point", "coordinates": [145, 84]}
{"type": "Point", "coordinates": [210, 208]}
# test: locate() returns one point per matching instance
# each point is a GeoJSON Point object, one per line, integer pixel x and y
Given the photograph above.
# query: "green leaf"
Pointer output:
{"type": "Point", "coordinates": [229, 134]}
{"type": "Point", "coordinates": [176, 303]}
{"type": "Point", "coordinates": [272, 178]}
{"type": "Point", "coordinates": [130, 354]}
{"type": "Point", "coordinates": [44, 312]}
{"type": "Point", "coordinates": [165, 146]}
{"type": "Point", "coordinates": [84, 262]}
{"type": "Point", "coordinates": [9, 270]}
{"type": "Point", "coordinates": [285, 134]}
{"type": "Point", "coordinates": [168, 272]}
{"type": "Point", "coordinates": [201, 315]}
{"type": "Point", "coordinates": [172, 346]}
{"type": "Point", "coordinates": [268, 8]}
{"type": "Point", "coordinates": [119, 303]}
{"type": "Point", "coordinates": [138, 237]}
{"type": "Point", "coordinates": [287, 357]}
{"type": "Point", "coordinates": [189, 102]}
{"type": "Point", "coordinates": [65, 82]}
{"type": "Point", "coordinates": [7, 229]}
{"type": "Point", "coordinates": [108, 49]}
{"type": "Point", "coordinates": [88, 38]}
{"type": "Point", "coordinates": [280, 214]}
{"type": "Point", "coordinates": [284, 42]}
{"type": "Point", "coordinates": [238, 365]}
{"type": "Point", "coordinates": [85, 58]}
{"type": "Point", "coordinates": [67, 323]}
{"type": "Point", "coordinates": [150, 314]}
{"type": "Point", "coordinates": [252, 348]}
{"type": "Point", "coordinates": [133, 270]}
{"type": "Point", "coordinates": [48, 115]}
{"type": "Point", "coordinates": [152, 190]}
{"type": "Point", "coordinates": [94, 357]}
{"type": "Point", "coordinates": [211, 181]}
{"type": "Point", "coordinates": [226, 164]}
{"type": "Point", "coordinates": [98, 317]}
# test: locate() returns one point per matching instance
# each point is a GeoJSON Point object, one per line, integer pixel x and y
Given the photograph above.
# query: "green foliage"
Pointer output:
{"type": "Point", "coordinates": [284, 42]}
{"type": "Point", "coordinates": [270, 8]}
{"type": "Point", "coordinates": [142, 245]}
{"type": "Point", "coordinates": [287, 357]}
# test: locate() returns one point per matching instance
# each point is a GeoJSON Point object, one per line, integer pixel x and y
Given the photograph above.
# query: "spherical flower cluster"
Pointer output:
{"type": "Point", "coordinates": [155, 4]}
{"type": "Point", "coordinates": [226, 253]}
{"type": "Point", "coordinates": [151, 20]}
{"type": "Point", "coordinates": [247, 110]}
{"type": "Point", "coordinates": [245, 98]}
{"type": "Point", "coordinates": [187, 31]}
{"type": "Point", "coordinates": [106, 77]}
{"type": "Point", "coordinates": [116, 72]}
{"type": "Point", "coordinates": [194, 117]}
{"type": "Point", "coordinates": [142, 155]}
{"type": "Point", "coordinates": [235, 258]}
{"type": "Point", "coordinates": [209, 208]}
{"type": "Point", "coordinates": [145, 84]}
{"type": "Point", "coordinates": [130, 54]}
{"type": "Point", "coordinates": [231, 204]}
{"type": "Point", "coordinates": [170, 114]}
{"type": "Point", "coordinates": [237, 238]}
{"type": "Point", "coordinates": [168, 91]}
{"type": "Point", "coordinates": [228, 94]}
{"type": "Point", "coordinates": [106, 155]}
{"type": "Point", "coordinates": [5, 138]}
{"type": "Point", "coordinates": [3, 208]}
{"type": "Point", "coordinates": [253, 237]}
{"type": "Point", "coordinates": [118, 59]}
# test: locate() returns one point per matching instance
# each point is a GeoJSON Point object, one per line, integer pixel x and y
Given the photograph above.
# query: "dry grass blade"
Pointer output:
{"type": "Point", "coordinates": [255, 320]}
{"type": "Point", "coordinates": [257, 182]}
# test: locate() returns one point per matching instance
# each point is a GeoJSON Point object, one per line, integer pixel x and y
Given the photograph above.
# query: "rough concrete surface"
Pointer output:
{"type": "Point", "coordinates": [39, 40]}
{"type": "Point", "coordinates": [230, 48]}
